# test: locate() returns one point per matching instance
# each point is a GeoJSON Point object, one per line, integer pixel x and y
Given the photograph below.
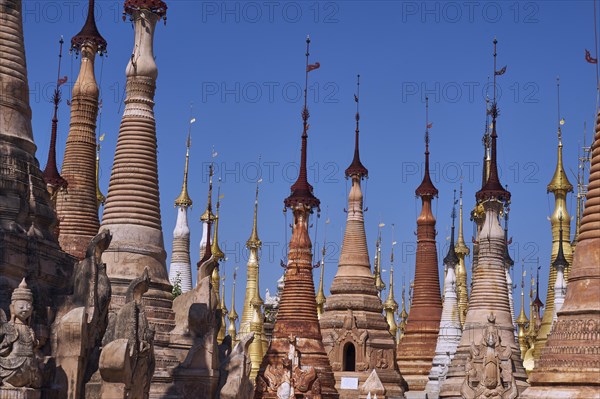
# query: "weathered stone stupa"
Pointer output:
{"type": "Point", "coordinates": [450, 327]}
{"type": "Point", "coordinates": [296, 361]}
{"type": "Point", "coordinates": [77, 208]}
{"type": "Point", "coordinates": [417, 347]}
{"type": "Point", "coordinates": [355, 334]}
{"type": "Point", "coordinates": [132, 210]}
{"type": "Point", "coordinates": [569, 365]}
{"type": "Point", "coordinates": [487, 362]}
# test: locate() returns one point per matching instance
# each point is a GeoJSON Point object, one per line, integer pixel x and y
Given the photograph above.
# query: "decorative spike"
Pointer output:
{"type": "Point", "coordinates": [426, 189]}
{"type": "Point", "coordinates": [215, 249]}
{"type": "Point", "coordinates": [302, 190]}
{"type": "Point", "coordinates": [356, 168]}
{"type": "Point", "coordinates": [184, 200]}
{"type": "Point", "coordinates": [54, 181]}
{"type": "Point", "coordinates": [492, 187]}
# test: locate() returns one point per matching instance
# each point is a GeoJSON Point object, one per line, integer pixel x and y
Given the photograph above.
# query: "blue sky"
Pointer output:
{"type": "Point", "coordinates": [241, 65]}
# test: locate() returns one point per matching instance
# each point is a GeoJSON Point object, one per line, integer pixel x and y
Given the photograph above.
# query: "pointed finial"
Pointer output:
{"type": "Point", "coordinates": [492, 187]}
{"type": "Point", "coordinates": [254, 241]}
{"type": "Point", "coordinates": [208, 216]}
{"type": "Point", "coordinates": [233, 316]}
{"type": "Point", "coordinates": [426, 188]}
{"type": "Point", "coordinates": [356, 168]}
{"type": "Point", "coordinates": [184, 200]}
{"type": "Point", "coordinates": [302, 190]}
{"type": "Point", "coordinates": [215, 249]}
{"type": "Point", "coordinates": [561, 121]}
{"type": "Point", "coordinates": [320, 298]}
{"type": "Point", "coordinates": [451, 259]}
{"type": "Point", "coordinates": [54, 181]}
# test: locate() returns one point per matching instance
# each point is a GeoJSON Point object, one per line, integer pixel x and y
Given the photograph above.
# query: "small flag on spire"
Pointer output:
{"type": "Point", "coordinates": [312, 67]}
{"type": "Point", "coordinates": [193, 120]}
{"type": "Point", "coordinates": [589, 58]}
{"type": "Point", "coordinates": [429, 125]}
{"type": "Point", "coordinates": [62, 81]}
{"type": "Point", "coordinates": [501, 71]}
{"type": "Point", "coordinates": [355, 98]}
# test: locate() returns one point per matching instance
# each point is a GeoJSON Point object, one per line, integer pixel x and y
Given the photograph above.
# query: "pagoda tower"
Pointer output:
{"type": "Point", "coordinates": [569, 364]}
{"type": "Point", "coordinates": [132, 210]}
{"type": "Point", "coordinates": [560, 187]}
{"type": "Point", "coordinates": [296, 351]}
{"type": "Point", "coordinates": [77, 208]}
{"type": "Point", "coordinates": [417, 347]}
{"type": "Point", "coordinates": [462, 251]}
{"type": "Point", "coordinates": [180, 269]}
{"type": "Point", "coordinates": [488, 325]}
{"type": "Point", "coordinates": [55, 183]}
{"type": "Point", "coordinates": [450, 326]}
{"type": "Point", "coordinates": [363, 342]}
{"type": "Point", "coordinates": [582, 160]}
{"type": "Point", "coordinates": [252, 315]}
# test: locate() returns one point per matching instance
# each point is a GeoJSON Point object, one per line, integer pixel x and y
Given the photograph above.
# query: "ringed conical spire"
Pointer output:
{"type": "Point", "coordinates": [416, 350]}
{"type": "Point", "coordinates": [356, 167]}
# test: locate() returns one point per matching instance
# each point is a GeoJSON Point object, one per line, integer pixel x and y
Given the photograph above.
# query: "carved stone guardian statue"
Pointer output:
{"type": "Point", "coordinates": [489, 369]}
{"type": "Point", "coordinates": [19, 366]}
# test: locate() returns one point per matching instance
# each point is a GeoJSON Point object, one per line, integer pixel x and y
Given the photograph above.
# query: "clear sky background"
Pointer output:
{"type": "Point", "coordinates": [241, 64]}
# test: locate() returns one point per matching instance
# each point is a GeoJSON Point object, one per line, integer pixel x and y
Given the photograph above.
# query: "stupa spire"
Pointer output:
{"type": "Point", "coordinates": [583, 159]}
{"type": "Point", "coordinates": [89, 33]}
{"type": "Point", "coordinates": [489, 312]}
{"type": "Point", "coordinates": [215, 249]}
{"type": "Point", "coordinates": [450, 326]}
{"type": "Point", "coordinates": [462, 250]}
{"type": "Point", "coordinates": [77, 208]}
{"type": "Point", "coordinates": [208, 219]}
{"type": "Point", "coordinates": [252, 316]}
{"type": "Point", "coordinates": [390, 306]}
{"type": "Point", "coordinates": [296, 331]}
{"type": "Point", "coordinates": [569, 366]}
{"type": "Point", "coordinates": [320, 297]}
{"type": "Point", "coordinates": [492, 187]}
{"type": "Point", "coordinates": [224, 311]}
{"type": "Point", "coordinates": [233, 316]}
{"type": "Point", "coordinates": [522, 318]}
{"type": "Point", "coordinates": [54, 181]}
{"type": "Point", "coordinates": [354, 296]}
{"type": "Point", "coordinates": [417, 348]}
{"type": "Point", "coordinates": [132, 210]}
{"type": "Point", "coordinates": [356, 167]}
{"type": "Point", "coordinates": [180, 270]}
{"type": "Point", "coordinates": [559, 186]}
